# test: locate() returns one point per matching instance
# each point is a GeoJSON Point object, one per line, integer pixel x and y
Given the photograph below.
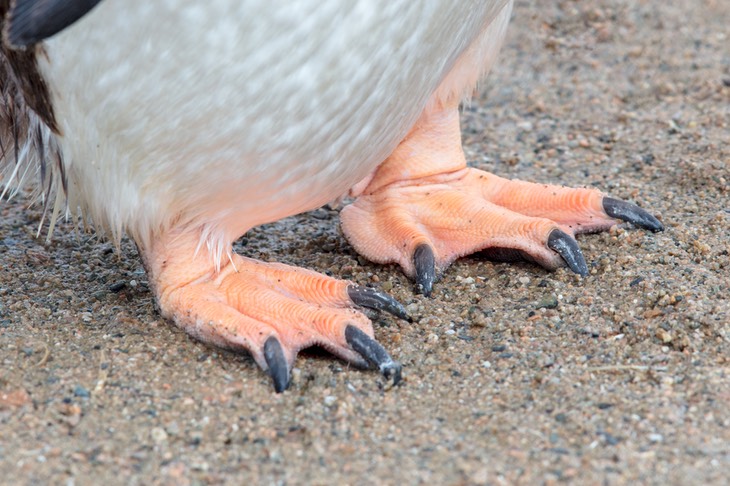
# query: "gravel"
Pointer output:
{"type": "Point", "coordinates": [512, 374]}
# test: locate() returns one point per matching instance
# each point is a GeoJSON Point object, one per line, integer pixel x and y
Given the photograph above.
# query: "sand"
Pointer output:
{"type": "Point", "coordinates": [513, 374]}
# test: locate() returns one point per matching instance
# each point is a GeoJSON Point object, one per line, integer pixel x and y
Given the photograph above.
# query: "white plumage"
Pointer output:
{"type": "Point", "coordinates": [221, 115]}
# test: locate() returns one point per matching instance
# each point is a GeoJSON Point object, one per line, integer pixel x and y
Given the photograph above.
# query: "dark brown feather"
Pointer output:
{"type": "Point", "coordinates": [26, 116]}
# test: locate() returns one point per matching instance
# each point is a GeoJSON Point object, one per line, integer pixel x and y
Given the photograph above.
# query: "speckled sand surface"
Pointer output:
{"type": "Point", "coordinates": [514, 375]}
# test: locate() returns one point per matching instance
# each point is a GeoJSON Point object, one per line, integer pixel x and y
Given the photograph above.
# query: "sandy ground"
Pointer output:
{"type": "Point", "coordinates": [514, 375]}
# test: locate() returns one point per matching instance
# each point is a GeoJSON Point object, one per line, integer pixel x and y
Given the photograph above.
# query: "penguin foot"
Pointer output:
{"type": "Point", "coordinates": [272, 311]}
{"type": "Point", "coordinates": [423, 213]}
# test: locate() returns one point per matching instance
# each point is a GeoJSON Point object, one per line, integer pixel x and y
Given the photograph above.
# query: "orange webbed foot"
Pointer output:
{"type": "Point", "coordinates": [268, 309]}
{"type": "Point", "coordinates": [423, 209]}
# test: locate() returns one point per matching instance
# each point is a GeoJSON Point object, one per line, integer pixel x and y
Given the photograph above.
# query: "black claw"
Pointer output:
{"type": "Point", "coordinates": [568, 249]}
{"type": "Point", "coordinates": [373, 353]}
{"type": "Point", "coordinates": [625, 211]}
{"type": "Point", "coordinates": [275, 359]}
{"type": "Point", "coordinates": [425, 264]}
{"type": "Point", "coordinates": [372, 299]}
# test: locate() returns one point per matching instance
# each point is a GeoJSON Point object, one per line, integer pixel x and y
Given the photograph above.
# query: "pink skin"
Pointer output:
{"type": "Point", "coordinates": [425, 194]}
{"type": "Point", "coordinates": [249, 301]}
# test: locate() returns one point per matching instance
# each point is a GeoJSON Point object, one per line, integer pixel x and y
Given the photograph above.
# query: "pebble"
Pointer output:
{"type": "Point", "coordinates": [158, 435]}
{"type": "Point", "coordinates": [548, 302]}
{"type": "Point", "coordinates": [173, 428]}
{"type": "Point", "coordinates": [296, 375]}
{"type": "Point", "coordinates": [117, 286]}
{"type": "Point", "coordinates": [636, 281]}
{"type": "Point", "coordinates": [664, 336]}
{"type": "Point", "coordinates": [412, 308]}
{"type": "Point", "coordinates": [610, 439]}
{"type": "Point", "coordinates": [80, 391]}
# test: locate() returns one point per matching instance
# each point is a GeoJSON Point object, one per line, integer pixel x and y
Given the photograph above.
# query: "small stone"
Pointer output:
{"type": "Point", "coordinates": [611, 439]}
{"type": "Point", "coordinates": [656, 438]}
{"type": "Point", "coordinates": [158, 435]}
{"type": "Point", "coordinates": [330, 400]}
{"type": "Point", "coordinates": [320, 213]}
{"type": "Point", "coordinates": [636, 281]}
{"type": "Point", "coordinates": [172, 428]}
{"type": "Point", "coordinates": [478, 316]}
{"type": "Point", "coordinates": [296, 375]}
{"type": "Point", "coordinates": [664, 336]}
{"type": "Point", "coordinates": [548, 302]}
{"type": "Point", "coordinates": [15, 398]}
{"type": "Point", "coordinates": [80, 391]}
{"type": "Point", "coordinates": [99, 295]}
{"type": "Point", "coordinates": [117, 286]}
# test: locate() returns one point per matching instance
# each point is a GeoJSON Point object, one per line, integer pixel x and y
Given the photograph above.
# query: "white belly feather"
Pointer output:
{"type": "Point", "coordinates": [227, 113]}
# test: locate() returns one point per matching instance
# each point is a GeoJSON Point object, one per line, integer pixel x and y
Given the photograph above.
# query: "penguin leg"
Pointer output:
{"type": "Point", "coordinates": [423, 208]}
{"type": "Point", "coordinates": [269, 309]}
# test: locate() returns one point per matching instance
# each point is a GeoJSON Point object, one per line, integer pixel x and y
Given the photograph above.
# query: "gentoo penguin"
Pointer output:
{"type": "Point", "coordinates": [185, 123]}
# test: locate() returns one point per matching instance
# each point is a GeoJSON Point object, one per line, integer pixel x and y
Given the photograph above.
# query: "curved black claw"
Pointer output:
{"type": "Point", "coordinates": [425, 264]}
{"type": "Point", "coordinates": [625, 211]}
{"type": "Point", "coordinates": [372, 299]}
{"type": "Point", "coordinates": [568, 249]}
{"type": "Point", "coordinates": [275, 359]}
{"type": "Point", "coordinates": [373, 353]}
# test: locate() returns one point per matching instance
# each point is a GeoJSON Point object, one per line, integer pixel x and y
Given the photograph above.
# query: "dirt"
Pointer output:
{"type": "Point", "coordinates": [513, 374]}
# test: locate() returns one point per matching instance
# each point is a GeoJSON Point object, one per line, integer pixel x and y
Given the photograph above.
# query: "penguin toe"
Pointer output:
{"type": "Point", "coordinates": [425, 224]}
{"type": "Point", "coordinates": [273, 311]}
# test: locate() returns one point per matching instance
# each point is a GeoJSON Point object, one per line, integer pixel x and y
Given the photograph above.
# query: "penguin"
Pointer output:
{"type": "Point", "coordinates": [184, 124]}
